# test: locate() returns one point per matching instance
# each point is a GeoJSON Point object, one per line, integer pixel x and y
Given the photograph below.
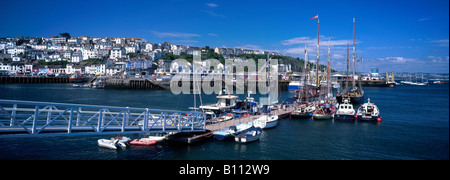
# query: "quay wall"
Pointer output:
{"type": "Point", "coordinates": [150, 84]}
{"type": "Point", "coordinates": [30, 80]}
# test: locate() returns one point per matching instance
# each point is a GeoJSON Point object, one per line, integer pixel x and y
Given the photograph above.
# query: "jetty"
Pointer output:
{"type": "Point", "coordinates": [223, 124]}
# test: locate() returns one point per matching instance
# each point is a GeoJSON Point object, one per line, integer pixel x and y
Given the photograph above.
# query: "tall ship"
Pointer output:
{"type": "Point", "coordinates": [356, 94]}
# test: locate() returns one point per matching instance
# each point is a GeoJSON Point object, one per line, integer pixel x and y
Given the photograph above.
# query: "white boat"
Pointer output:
{"type": "Point", "coordinates": [156, 137]}
{"type": "Point", "coordinates": [107, 143]}
{"type": "Point", "coordinates": [248, 136]}
{"type": "Point", "coordinates": [122, 141]}
{"type": "Point", "coordinates": [224, 104]}
{"type": "Point", "coordinates": [294, 85]}
{"type": "Point", "coordinates": [368, 112]}
{"type": "Point", "coordinates": [345, 111]}
{"type": "Point", "coordinates": [266, 121]}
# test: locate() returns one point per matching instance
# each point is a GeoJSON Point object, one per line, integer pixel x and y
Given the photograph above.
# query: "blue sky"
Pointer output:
{"type": "Point", "coordinates": [400, 36]}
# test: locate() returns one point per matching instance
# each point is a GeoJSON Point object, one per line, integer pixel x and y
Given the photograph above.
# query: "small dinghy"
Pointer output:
{"type": "Point", "coordinates": [248, 136]}
{"type": "Point", "coordinates": [107, 143]}
{"type": "Point", "coordinates": [142, 141]}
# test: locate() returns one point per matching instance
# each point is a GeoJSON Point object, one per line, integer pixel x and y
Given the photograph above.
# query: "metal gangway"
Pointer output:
{"type": "Point", "coordinates": [28, 119]}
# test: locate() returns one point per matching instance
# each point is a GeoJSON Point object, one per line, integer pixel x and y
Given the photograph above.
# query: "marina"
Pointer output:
{"type": "Point", "coordinates": [403, 134]}
{"type": "Point", "coordinates": [135, 86]}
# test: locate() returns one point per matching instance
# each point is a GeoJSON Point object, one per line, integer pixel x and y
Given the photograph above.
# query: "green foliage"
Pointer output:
{"type": "Point", "coordinates": [63, 63]}
{"type": "Point", "coordinates": [66, 35]}
{"type": "Point", "coordinates": [93, 60]}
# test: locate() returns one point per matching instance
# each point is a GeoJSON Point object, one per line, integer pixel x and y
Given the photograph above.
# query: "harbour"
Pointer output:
{"type": "Point", "coordinates": [397, 136]}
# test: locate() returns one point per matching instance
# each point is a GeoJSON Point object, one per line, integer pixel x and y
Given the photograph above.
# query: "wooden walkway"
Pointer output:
{"type": "Point", "coordinates": [224, 124]}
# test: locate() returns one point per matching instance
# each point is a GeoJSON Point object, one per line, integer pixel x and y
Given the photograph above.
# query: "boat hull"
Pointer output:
{"type": "Point", "coordinates": [344, 117]}
{"type": "Point", "coordinates": [247, 137]}
{"type": "Point", "coordinates": [368, 118]}
{"type": "Point", "coordinates": [271, 124]}
{"type": "Point", "coordinates": [221, 136]}
{"type": "Point", "coordinates": [301, 115]}
{"type": "Point", "coordinates": [322, 116]}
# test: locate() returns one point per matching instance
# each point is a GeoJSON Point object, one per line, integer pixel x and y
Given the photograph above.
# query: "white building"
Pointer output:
{"type": "Point", "coordinates": [117, 53]}
{"type": "Point", "coordinates": [16, 50]}
{"type": "Point", "coordinates": [130, 49]}
{"type": "Point", "coordinates": [77, 57]}
{"type": "Point", "coordinates": [58, 40]}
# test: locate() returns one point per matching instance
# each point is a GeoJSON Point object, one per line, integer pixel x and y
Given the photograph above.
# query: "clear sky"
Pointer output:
{"type": "Point", "coordinates": [394, 35]}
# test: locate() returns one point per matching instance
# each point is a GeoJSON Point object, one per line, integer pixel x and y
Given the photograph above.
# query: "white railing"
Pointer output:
{"type": "Point", "coordinates": [27, 118]}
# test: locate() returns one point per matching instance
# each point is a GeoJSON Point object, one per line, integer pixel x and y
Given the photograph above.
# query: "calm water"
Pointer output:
{"type": "Point", "coordinates": [415, 126]}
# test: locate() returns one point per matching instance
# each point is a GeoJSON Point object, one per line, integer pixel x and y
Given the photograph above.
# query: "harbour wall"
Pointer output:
{"type": "Point", "coordinates": [30, 80]}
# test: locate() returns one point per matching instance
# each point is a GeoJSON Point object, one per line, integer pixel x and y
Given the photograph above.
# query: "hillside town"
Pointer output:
{"type": "Point", "coordinates": [109, 56]}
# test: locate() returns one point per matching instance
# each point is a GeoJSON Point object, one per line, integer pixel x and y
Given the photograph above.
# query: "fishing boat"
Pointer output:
{"type": "Point", "coordinates": [143, 141]}
{"type": "Point", "coordinates": [249, 136]}
{"type": "Point", "coordinates": [108, 143]}
{"type": "Point", "coordinates": [190, 137]}
{"type": "Point", "coordinates": [76, 78]}
{"type": "Point", "coordinates": [266, 121]}
{"type": "Point", "coordinates": [304, 111]}
{"type": "Point", "coordinates": [368, 112]}
{"type": "Point", "coordinates": [229, 132]}
{"type": "Point", "coordinates": [345, 111]}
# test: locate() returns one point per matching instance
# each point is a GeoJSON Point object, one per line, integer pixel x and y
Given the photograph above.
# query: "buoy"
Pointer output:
{"type": "Point", "coordinates": [379, 119]}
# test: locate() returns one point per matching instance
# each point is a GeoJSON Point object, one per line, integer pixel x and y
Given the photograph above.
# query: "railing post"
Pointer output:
{"type": "Point", "coordinates": [69, 127]}
{"type": "Point", "coordinates": [100, 118]}
{"type": "Point", "coordinates": [35, 119]}
{"type": "Point", "coordinates": [78, 117]}
{"type": "Point", "coordinates": [146, 120]}
{"type": "Point", "coordinates": [13, 115]}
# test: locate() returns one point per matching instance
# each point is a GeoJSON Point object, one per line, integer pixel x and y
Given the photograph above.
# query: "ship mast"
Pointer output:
{"type": "Point", "coordinates": [317, 63]}
{"type": "Point", "coordinates": [328, 69]}
{"type": "Point", "coordinates": [354, 56]}
{"type": "Point", "coordinates": [346, 84]}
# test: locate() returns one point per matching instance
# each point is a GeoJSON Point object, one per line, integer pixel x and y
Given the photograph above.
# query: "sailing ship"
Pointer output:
{"type": "Point", "coordinates": [356, 94]}
{"type": "Point", "coordinates": [325, 110]}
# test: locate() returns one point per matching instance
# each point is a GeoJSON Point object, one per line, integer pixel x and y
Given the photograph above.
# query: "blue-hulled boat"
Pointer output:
{"type": "Point", "coordinates": [230, 132]}
{"type": "Point", "coordinates": [248, 136]}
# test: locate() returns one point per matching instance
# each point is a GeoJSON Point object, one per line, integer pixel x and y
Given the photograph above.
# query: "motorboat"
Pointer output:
{"type": "Point", "coordinates": [224, 104]}
{"type": "Point", "coordinates": [228, 132]}
{"type": "Point", "coordinates": [266, 121]}
{"type": "Point", "coordinates": [345, 111]}
{"type": "Point", "coordinates": [108, 143]}
{"type": "Point", "coordinates": [248, 136]}
{"type": "Point", "coordinates": [368, 112]}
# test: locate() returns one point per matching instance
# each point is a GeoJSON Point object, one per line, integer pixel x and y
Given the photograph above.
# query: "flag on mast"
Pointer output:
{"type": "Point", "coordinates": [315, 17]}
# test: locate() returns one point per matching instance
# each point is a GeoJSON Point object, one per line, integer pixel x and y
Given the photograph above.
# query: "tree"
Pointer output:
{"type": "Point", "coordinates": [66, 35]}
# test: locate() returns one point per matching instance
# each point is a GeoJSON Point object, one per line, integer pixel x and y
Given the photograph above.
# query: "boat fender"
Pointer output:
{"type": "Point", "coordinates": [379, 119]}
